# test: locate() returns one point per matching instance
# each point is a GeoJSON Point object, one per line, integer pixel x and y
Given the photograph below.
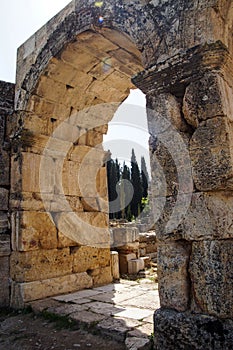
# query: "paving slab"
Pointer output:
{"type": "Point", "coordinates": [137, 343]}
{"type": "Point", "coordinates": [66, 310]}
{"type": "Point", "coordinates": [86, 317]}
{"type": "Point", "coordinates": [124, 311]}
{"type": "Point", "coordinates": [149, 302]}
{"type": "Point", "coordinates": [78, 295]}
{"type": "Point", "coordinates": [135, 313]}
{"type": "Point", "coordinates": [105, 308]}
{"type": "Point", "coordinates": [116, 328]}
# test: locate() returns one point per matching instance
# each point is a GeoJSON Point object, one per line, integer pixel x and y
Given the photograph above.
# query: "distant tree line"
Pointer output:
{"type": "Point", "coordinates": [127, 188]}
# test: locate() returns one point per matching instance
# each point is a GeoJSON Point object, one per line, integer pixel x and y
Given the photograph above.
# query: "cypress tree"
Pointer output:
{"type": "Point", "coordinates": [125, 191]}
{"type": "Point", "coordinates": [112, 176]}
{"type": "Point", "coordinates": [144, 178]}
{"type": "Point", "coordinates": [137, 186]}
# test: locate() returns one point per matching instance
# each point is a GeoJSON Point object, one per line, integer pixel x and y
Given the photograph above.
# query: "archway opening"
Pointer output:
{"type": "Point", "coordinates": [59, 188]}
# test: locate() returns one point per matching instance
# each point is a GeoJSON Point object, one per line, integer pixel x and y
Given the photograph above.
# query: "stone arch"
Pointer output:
{"type": "Point", "coordinates": [80, 74]}
{"type": "Point", "coordinates": [186, 49]}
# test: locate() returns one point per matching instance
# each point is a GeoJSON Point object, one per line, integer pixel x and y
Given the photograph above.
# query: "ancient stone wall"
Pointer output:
{"type": "Point", "coordinates": [189, 97]}
{"type": "Point", "coordinates": [81, 60]}
{"type": "Point", "coordinates": [7, 93]}
{"type": "Point", "coordinates": [60, 234]}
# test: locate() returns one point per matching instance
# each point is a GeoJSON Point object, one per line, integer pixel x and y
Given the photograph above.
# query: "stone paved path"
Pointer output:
{"type": "Point", "coordinates": [124, 311]}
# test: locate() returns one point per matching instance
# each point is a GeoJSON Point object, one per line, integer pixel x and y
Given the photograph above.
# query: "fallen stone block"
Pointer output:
{"type": "Point", "coordinates": [136, 265]}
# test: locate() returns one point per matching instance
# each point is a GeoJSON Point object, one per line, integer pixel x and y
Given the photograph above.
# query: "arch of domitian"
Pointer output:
{"type": "Point", "coordinates": [71, 77]}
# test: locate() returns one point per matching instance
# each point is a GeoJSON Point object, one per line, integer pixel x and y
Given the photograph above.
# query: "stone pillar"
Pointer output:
{"type": "Point", "coordinates": [190, 117]}
{"type": "Point", "coordinates": [6, 110]}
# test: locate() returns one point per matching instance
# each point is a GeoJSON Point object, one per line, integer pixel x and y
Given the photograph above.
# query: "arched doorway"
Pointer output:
{"type": "Point", "coordinates": [186, 51]}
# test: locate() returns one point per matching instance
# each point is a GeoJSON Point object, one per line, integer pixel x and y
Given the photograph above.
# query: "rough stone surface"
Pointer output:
{"type": "Point", "coordinates": [5, 245]}
{"type": "Point", "coordinates": [4, 168]}
{"type": "Point", "coordinates": [4, 222]}
{"type": "Point", "coordinates": [197, 332]}
{"type": "Point", "coordinates": [174, 284]}
{"type": "Point", "coordinates": [25, 292]}
{"type": "Point", "coordinates": [120, 236]}
{"type": "Point", "coordinates": [115, 265]}
{"type": "Point", "coordinates": [89, 258]}
{"type": "Point", "coordinates": [36, 231]}
{"type": "Point", "coordinates": [207, 98]}
{"type": "Point", "coordinates": [101, 275]}
{"type": "Point", "coordinates": [4, 199]}
{"type": "Point", "coordinates": [211, 277]}
{"type": "Point", "coordinates": [208, 216]}
{"type": "Point", "coordinates": [134, 343]}
{"type": "Point", "coordinates": [211, 154]}
{"type": "Point", "coordinates": [40, 264]}
{"type": "Point", "coordinates": [65, 73]}
{"type": "Point", "coordinates": [5, 283]}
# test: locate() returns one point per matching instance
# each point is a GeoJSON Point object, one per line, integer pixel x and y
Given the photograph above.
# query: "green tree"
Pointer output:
{"type": "Point", "coordinates": [112, 175]}
{"type": "Point", "coordinates": [137, 186]}
{"type": "Point", "coordinates": [125, 191]}
{"type": "Point", "coordinates": [144, 178]}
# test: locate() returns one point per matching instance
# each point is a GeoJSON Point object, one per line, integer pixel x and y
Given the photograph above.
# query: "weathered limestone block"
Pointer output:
{"type": "Point", "coordinates": [207, 98]}
{"type": "Point", "coordinates": [47, 201]}
{"type": "Point", "coordinates": [4, 168]}
{"type": "Point", "coordinates": [48, 146]}
{"type": "Point", "coordinates": [106, 93]}
{"type": "Point", "coordinates": [4, 222]}
{"type": "Point", "coordinates": [136, 265]}
{"type": "Point", "coordinates": [32, 230]}
{"type": "Point", "coordinates": [94, 138]}
{"type": "Point", "coordinates": [5, 245]}
{"type": "Point", "coordinates": [187, 331]}
{"type": "Point", "coordinates": [40, 264]}
{"type": "Point", "coordinates": [29, 173]}
{"type": "Point", "coordinates": [51, 90]}
{"type": "Point", "coordinates": [170, 159]}
{"type": "Point", "coordinates": [4, 199]}
{"type": "Point", "coordinates": [212, 154]}
{"type": "Point", "coordinates": [7, 94]}
{"type": "Point", "coordinates": [4, 277]}
{"type": "Point", "coordinates": [207, 216]}
{"type": "Point", "coordinates": [115, 265]}
{"type": "Point", "coordinates": [101, 183]}
{"type": "Point", "coordinates": [92, 185]}
{"type": "Point", "coordinates": [174, 284]}
{"type": "Point", "coordinates": [64, 242]}
{"type": "Point", "coordinates": [168, 214]}
{"type": "Point", "coordinates": [89, 258]}
{"type": "Point", "coordinates": [67, 178]}
{"type": "Point", "coordinates": [211, 271]}
{"type": "Point", "coordinates": [120, 236]}
{"type": "Point", "coordinates": [90, 204]}
{"type": "Point", "coordinates": [101, 276]}
{"type": "Point", "coordinates": [148, 241]}
{"type": "Point", "coordinates": [164, 110]}
{"type": "Point", "coordinates": [85, 228]}
{"type": "Point", "coordinates": [80, 152]}
{"type": "Point", "coordinates": [62, 203]}
{"type": "Point", "coordinates": [36, 124]}
{"type": "Point", "coordinates": [26, 292]}
{"type": "Point", "coordinates": [123, 261]}
{"type": "Point", "coordinates": [45, 108]}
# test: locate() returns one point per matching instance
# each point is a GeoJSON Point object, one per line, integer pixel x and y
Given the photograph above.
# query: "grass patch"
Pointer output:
{"type": "Point", "coordinates": [8, 312]}
{"type": "Point", "coordinates": [61, 322]}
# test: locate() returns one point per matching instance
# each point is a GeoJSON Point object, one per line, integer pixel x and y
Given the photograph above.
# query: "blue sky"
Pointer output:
{"type": "Point", "coordinates": [19, 19]}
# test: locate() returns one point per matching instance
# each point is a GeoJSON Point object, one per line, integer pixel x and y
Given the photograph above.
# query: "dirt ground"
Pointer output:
{"type": "Point", "coordinates": [26, 331]}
